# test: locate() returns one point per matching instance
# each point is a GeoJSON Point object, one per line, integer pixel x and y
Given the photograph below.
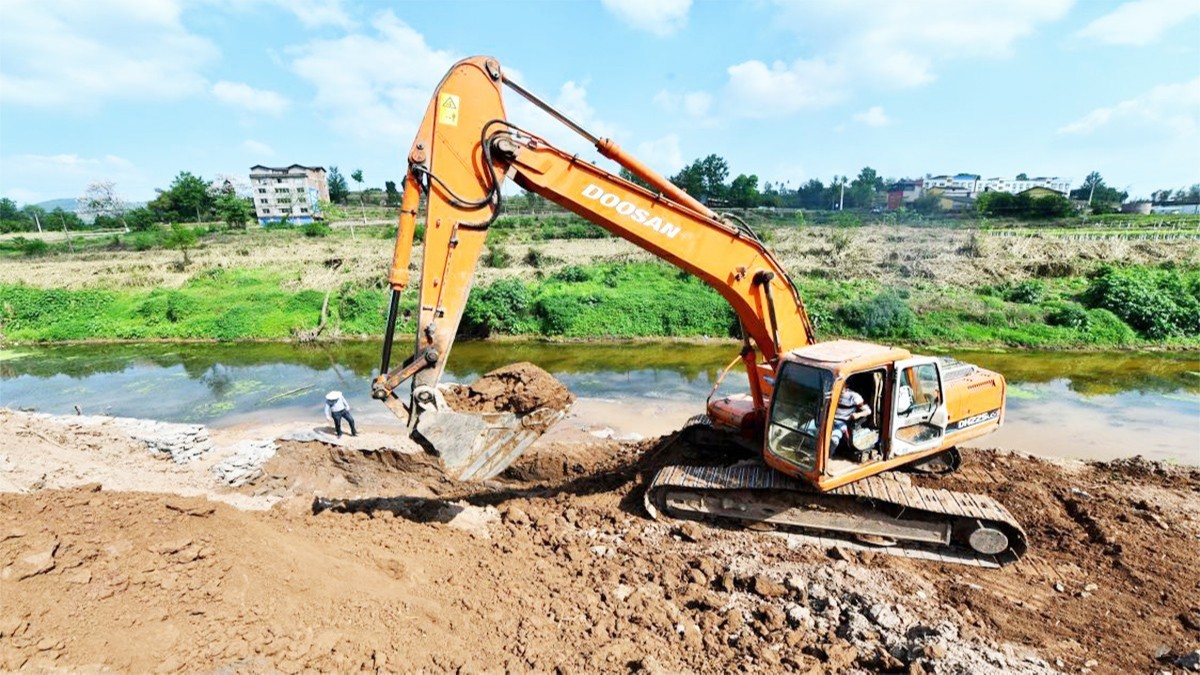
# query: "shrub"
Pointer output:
{"type": "Point", "coordinates": [497, 256]}
{"type": "Point", "coordinates": [1068, 315]}
{"type": "Point", "coordinates": [1026, 292]}
{"type": "Point", "coordinates": [498, 308]}
{"type": "Point", "coordinates": [885, 315]}
{"type": "Point", "coordinates": [144, 241]}
{"type": "Point", "coordinates": [1156, 303]}
{"type": "Point", "coordinates": [31, 247]}
{"type": "Point", "coordinates": [536, 258]}
{"type": "Point", "coordinates": [316, 229]}
{"type": "Point", "coordinates": [1107, 329]}
{"type": "Point", "coordinates": [572, 274]}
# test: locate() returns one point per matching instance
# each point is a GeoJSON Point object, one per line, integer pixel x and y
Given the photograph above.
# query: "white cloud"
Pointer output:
{"type": "Point", "coordinates": [241, 95]}
{"type": "Point", "coordinates": [697, 103]}
{"type": "Point", "coordinates": [659, 17]}
{"type": "Point", "coordinates": [878, 44]}
{"type": "Point", "coordinates": [873, 117]}
{"type": "Point", "coordinates": [360, 98]}
{"type": "Point", "coordinates": [310, 13]}
{"type": "Point", "coordinates": [1140, 22]}
{"type": "Point", "coordinates": [258, 148]}
{"type": "Point", "coordinates": [1173, 107]}
{"type": "Point", "coordinates": [757, 90]}
{"type": "Point", "coordinates": [78, 53]}
{"type": "Point", "coordinates": [68, 173]}
{"type": "Point", "coordinates": [662, 154]}
{"type": "Point", "coordinates": [572, 101]}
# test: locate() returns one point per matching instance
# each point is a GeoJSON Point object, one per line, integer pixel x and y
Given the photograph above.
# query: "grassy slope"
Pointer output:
{"type": "Point", "coordinates": [270, 285]}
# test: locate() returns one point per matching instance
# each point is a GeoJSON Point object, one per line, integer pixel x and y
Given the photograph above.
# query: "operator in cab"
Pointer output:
{"type": "Point", "coordinates": [851, 406]}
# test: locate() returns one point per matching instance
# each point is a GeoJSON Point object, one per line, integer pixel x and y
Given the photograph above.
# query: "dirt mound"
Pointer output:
{"type": "Point", "coordinates": [1110, 573]}
{"type": "Point", "coordinates": [302, 469]}
{"type": "Point", "coordinates": [517, 388]}
{"type": "Point", "coordinates": [556, 566]}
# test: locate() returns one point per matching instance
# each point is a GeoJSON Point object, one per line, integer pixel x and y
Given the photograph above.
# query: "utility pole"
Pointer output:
{"type": "Point", "coordinates": [70, 246]}
{"type": "Point", "coordinates": [842, 195]}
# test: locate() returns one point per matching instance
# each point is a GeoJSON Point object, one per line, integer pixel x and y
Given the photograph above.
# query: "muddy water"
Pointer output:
{"type": "Point", "coordinates": [1069, 405]}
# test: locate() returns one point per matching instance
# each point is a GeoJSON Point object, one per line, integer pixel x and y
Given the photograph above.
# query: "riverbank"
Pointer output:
{"type": "Point", "coordinates": [1094, 405]}
{"type": "Point", "coordinates": [556, 566]}
{"type": "Point", "coordinates": [918, 286]}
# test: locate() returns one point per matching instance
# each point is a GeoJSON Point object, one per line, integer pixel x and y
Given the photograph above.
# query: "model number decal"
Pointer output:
{"type": "Point", "coordinates": [975, 420]}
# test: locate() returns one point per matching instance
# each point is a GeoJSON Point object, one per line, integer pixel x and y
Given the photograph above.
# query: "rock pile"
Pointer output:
{"type": "Point", "coordinates": [245, 463]}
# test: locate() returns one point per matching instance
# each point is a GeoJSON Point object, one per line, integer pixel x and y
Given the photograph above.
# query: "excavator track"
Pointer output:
{"type": "Point", "coordinates": [942, 525]}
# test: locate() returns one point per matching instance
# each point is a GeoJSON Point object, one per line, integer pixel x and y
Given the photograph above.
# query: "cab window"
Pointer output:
{"type": "Point", "coordinates": [801, 398]}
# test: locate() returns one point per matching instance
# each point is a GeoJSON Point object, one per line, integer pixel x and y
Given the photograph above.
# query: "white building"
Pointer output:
{"type": "Point", "coordinates": [293, 192]}
{"type": "Point", "coordinates": [961, 182]}
{"type": "Point", "coordinates": [1019, 185]}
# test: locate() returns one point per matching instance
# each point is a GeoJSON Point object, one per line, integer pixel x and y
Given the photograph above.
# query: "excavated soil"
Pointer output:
{"type": "Point", "coordinates": [517, 388]}
{"type": "Point", "coordinates": [555, 566]}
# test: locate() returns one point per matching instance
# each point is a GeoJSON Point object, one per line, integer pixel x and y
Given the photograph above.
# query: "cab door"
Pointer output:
{"type": "Point", "coordinates": [918, 406]}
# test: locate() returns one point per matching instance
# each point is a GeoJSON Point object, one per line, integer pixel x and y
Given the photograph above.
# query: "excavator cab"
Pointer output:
{"type": "Point", "coordinates": [905, 395]}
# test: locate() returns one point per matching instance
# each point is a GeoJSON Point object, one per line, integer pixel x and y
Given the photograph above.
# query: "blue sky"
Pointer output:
{"type": "Point", "coordinates": [133, 91]}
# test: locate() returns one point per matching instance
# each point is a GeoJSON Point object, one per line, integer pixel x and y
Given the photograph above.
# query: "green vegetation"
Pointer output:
{"type": "Point", "coordinates": [1117, 307]}
{"type": "Point", "coordinates": [598, 301]}
{"type": "Point", "coordinates": [215, 304]}
{"type": "Point", "coordinates": [1157, 303]}
{"type": "Point", "coordinates": [1006, 205]}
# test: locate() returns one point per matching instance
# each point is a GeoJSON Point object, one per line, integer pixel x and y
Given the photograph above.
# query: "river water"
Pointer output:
{"type": "Point", "coordinates": [1095, 405]}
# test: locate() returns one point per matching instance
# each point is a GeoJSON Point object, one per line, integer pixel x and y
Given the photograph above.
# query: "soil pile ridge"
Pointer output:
{"type": "Point", "coordinates": [555, 566]}
{"type": "Point", "coordinates": [518, 388]}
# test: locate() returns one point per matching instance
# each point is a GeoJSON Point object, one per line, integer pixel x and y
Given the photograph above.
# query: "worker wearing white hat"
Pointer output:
{"type": "Point", "coordinates": [337, 409]}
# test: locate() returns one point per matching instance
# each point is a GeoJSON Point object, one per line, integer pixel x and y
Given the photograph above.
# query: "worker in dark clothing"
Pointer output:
{"type": "Point", "coordinates": [337, 409]}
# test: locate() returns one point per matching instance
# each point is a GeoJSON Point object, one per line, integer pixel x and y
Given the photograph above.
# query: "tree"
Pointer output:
{"type": "Point", "coordinates": [13, 219]}
{"type": "Point", "coordinates": [100, 198]}
{"type": "Point", "coordinates": [714, 170]}
{"type": "Point", "coordinates": [1022, 176]}
{"type": "Point", "coordinates": [182, 238]}
{"type": "Point", "coordinates": [358, 178]}
{"type": "Point", "coordinates": [744, 191]}
{"type": "Point", "coordinates": [690, 180]}
{"type": "Point", "coordinates": [234, 210]}
{"type": "Point", "coordinates": [864, 187]}
{"type": "Point", "coordinates": [9, 210]}
{"type": "Point", "coordinates": [704, 178]}
{"type": "Point", "coordinates": [188, 197]}
{"type": "Point", "coordinates": [1097, 194]}
{"type": "Point", "coordinates": [811, 195]}
{"type": "Point", "coordinates": [927, 204]}
{"type": "Point", "coordinates": [393, 197]}
{"type": "Point", "coordinates": [338, 190]}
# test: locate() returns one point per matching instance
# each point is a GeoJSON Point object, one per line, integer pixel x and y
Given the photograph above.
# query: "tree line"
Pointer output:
{"type": "Point", "coordinates": [189, 198]}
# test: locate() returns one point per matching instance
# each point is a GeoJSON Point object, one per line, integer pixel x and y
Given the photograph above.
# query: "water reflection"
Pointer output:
{"type": "Point", "coordinates": [1157, 394]}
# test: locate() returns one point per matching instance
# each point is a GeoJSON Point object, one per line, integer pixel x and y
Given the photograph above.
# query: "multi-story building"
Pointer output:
{"type": "Point", "coordinates": [1019, 185]}
{"type": "Point", "coordinates": [904, 192]}
{"type": "Point", "coordinates": [968, 183]}
{"type": "Point", "coordinates": [293, 192]}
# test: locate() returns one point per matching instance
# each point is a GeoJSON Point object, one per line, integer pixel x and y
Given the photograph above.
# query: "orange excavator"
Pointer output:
{"type": "Point", "coordinates": [832, 420]}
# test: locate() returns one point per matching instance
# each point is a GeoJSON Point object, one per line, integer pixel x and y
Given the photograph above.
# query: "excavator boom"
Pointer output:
{"type": "Point", "coordinates": [464, 150]}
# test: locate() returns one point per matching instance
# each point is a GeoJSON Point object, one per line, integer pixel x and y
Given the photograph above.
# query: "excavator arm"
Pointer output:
{"type": "Point", "coordinates": [465, 148]}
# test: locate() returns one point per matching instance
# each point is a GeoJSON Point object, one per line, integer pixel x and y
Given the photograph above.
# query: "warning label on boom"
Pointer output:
{"type": "Point", "coordinates": [448, 109]}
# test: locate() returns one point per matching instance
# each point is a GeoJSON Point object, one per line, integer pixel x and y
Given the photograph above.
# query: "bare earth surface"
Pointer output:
{"type": "Point", "coordinates": [112, 557]}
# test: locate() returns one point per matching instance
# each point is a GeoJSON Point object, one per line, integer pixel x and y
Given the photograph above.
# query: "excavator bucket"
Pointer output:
{"type": "Point", "coordinates": [478, 446]}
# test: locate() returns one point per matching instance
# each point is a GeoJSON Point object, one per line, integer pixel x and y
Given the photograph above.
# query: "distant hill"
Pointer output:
{"type": "Point", "coordinates": [65, 204]}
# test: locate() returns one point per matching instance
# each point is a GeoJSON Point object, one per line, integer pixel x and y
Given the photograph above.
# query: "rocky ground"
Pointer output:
{"type": "Point", "coordinates": [118, 553]}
